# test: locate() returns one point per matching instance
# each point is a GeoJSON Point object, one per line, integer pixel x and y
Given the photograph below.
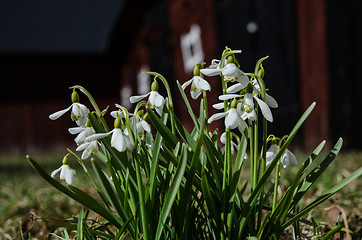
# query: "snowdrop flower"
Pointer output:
{"type": "Point", "coordinates": [198, 84]}
{"type": "Point", "coordinates": [246, 110]}
{"type": "Point", "coordinates": [256, 91]}
{"type": "Point", "coordinates": [78, 114]}
{"type": "Point", "coordinates": [155, 100]}
{"type": "Point", "coordinates": [120, 140]}
{"type": "Point", "coordinates": [88, 147]}
{"type": "Point", "coordinates": [142, 126]}
{"type": "Point", "coordinates": [232, 118]}
{"type": "Point", "coordinates": [230, 72]}
{"type": "Point", "coordinates": [286, 159]}
{"type": "Point", "coordinates": [83, 133]}
{"type": "Point", "coordinates": [268, 99]}
{"type": "Point", "coordinates": [234, 146]}
{"type": "Point", "coordinates": [66, 172]}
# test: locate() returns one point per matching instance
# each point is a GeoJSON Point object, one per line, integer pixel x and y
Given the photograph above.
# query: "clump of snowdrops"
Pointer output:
{"type": "Point", "coordinates": [157, 180]}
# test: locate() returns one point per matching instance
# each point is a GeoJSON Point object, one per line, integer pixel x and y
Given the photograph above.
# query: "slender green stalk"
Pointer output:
{"type": "Point", "coordinates": [276, 184]}
{"type": "Point", "coordinates": [144, 219]}
{"type": "Point", "coordinates": [169, 95]}
{"type": "Point", "coordinates": [206, 109]}
{"type": "Point", "coordinates": [331, 233]}
{"type": "Point", "coordinates": [255, 155]}
{"type": "Point", "coordinates": [252, 152]}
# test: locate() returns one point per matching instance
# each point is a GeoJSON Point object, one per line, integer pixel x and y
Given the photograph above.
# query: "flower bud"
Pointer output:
{"type": "Point", "coordinates": [196, 71]}
{"type": "Point", "coordinates": [231, 59]}
{"type": "Point", "coordinates": [75, 96]}
{"type": "Point", "coordinates": [154, 85]}
{"type": "Point", "coordinates": [261, 71]}
{"type": "Point", "coordinates": [140, 113]}
{"type": "Point", "coordinates": [65, 160]}
{"type": "Point", "coordinates": [233, 103]}
{"type": "Point", "coordinates": [117, 122]}
{"type": "Point", "coordinates": [249, 88]}
{"type": "Point", "coordinates": [145, 116]}
{"type": "Point", "coordinates": [89, 124]}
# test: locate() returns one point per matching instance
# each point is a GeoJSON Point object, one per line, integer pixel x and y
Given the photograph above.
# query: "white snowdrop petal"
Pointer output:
{"type": "Point", "coordinates": [265, 110]}
{"type": "Point", "coordinates": [76, 130]}
{"type": "Point", "coordinates": [156, 99]}
{"type": "Point", "coordinates": [271, 101]}
{"type": "Point", "coordinates": [229, 96]}
{"type": "Point", "coordinates": [83, 146]}
{"type": "Point", "coordinates": [145, 126]}
{"type": "Point", "coordinates": [291, 157]}
{"type": "Point", "coordinates": [232, 119]}
{"type": "Point", "coordinates": [134, 99]}
{"type": "Point", "coordinates": [118, 141]}
{"type": "Point", "coordinates": [210, 71]}
{"type": "Point", "coordinates": [87, 152]}
{"type": "Point", "coordinates": [218, 106]}
{"type": "Point", "coordinates": [235, 88]}
{"type": "Point", "coordinates": [185, 84]}
{"type": "Point", "coordinates": [55, 172]}
{"type": "Point", "coordinates": [204, 85]}
{"type": "Point", "coordinates": [217, 116]}
{"type": "Point", "coordinates": [195, 94]}
{"type": "Point", "coordinates": [97, 136]}
{"type": "Point", "coordinates": [60, 113]}
{"type": "Point", "coordinates": [243, 80]}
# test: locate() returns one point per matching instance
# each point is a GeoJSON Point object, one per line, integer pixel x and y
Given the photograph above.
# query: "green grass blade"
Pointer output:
{"type": "Point", "coordinates": [314, 171]}
{"type": "Point", "coordinates": [256, 192]}
{"type": "Point", "coordinates": [94, 205]}
{"type": "Point", "coordinates": [171, 195]}
{"type": "Point", "coordinates": [155, 162]}
{"type": "Point", "coordinates": [356, 174]}
{"type": "Point", "coordinates": [143, 212]}
{"type": "Point", "coordinates": [269, 170]}
{"type": "Point", "coordinates": [215, 159]}
{"type": "Point", "coordinates": [108, 191]}
{"type": "Point", "coordinates": [80, 225]}
{"type": "Point", "coordinates": [189, 108]}
{"type": "Point", "coordinates": [168, 136]}
{"type": "Point", "coordinates": [76, 194]}
{"type": "Point", "coordinates": [120, 158]}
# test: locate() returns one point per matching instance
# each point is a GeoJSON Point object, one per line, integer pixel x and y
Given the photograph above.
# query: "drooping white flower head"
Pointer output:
{"type": "Point", "coordinates": [230, 72]}
{"type": "Point", "coordinates": [198, 84]}
{"type": "Point", "coordinates": [155, 100]}
{"type": "Point", "coordinates": [286, 159]}
{"type": "Point", "coordinates": [88, 148]}
{"type": "Point", "coordinates": [78, 114]}
{"type": "Point", "coordinates": [234, 147]}
{"type": "Point", "coordinates": [232, 118]}
{"type": "Point", "coordinates": [120, 139]}
{"type": "Point", "coordinates": [247, 100]}
{"type": "Point", "coordinates": [83, 133]}
{"type": "Point", "coordinates": [66, 172]}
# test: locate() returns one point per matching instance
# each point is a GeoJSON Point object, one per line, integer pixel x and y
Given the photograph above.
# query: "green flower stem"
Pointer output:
{"type": "Point", "coordinates": [226, 174]}
{"type": "Point", "coordinates": [255, 161]}
{"type": "Point", "coordinates": [84, 168]}
{"type": "Point", "coordinates": [170, 102]}
{"type": "Point", "coordinates": [251, 129]}
{"type": "Point", "coordinates": [206, 110]}
{"type": "Point", "coordinates": [276, 183]}
{"type": "Point", "coordinates": [262, 169]}
{"type": "Point", "coordinates": [144, 219]}
{"type": "Point", "coordinates": [128, 126]}
{"type": "Point", "coordinates": [94, 104]}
